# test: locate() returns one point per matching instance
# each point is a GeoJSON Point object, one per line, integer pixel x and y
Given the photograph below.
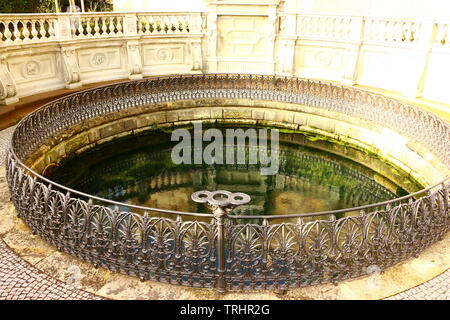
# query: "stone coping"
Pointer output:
{"type": "Point", "coordinates": [432, 262]}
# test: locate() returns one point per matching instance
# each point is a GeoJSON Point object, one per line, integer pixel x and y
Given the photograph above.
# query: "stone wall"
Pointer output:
{"type": "Point", "coordinates": [350, 137]}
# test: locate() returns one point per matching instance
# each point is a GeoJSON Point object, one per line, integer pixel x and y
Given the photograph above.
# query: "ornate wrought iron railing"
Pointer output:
{"type": "Point", "coordinates": [175, 247]}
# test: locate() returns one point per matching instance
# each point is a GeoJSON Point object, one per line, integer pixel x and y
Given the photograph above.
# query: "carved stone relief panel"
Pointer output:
{"type": "Point", "coordinates": [99, 59]}
{"type": "Point", "coordinates": [162, 54]}
{"type": "Point", "coordinates": [319, 62]}
{"type": "Point", "coordinates": [30, 68]}
{"type": "Point", "coordinates": [243, 37]}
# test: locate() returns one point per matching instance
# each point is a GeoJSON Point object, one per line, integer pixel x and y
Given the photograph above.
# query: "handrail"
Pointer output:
{"type": "Point", "coordinates": [117, 203]}
{"type": "Point", "coordinates": [197, 214]}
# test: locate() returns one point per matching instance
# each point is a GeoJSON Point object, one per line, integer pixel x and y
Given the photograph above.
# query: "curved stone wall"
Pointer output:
{"type": "Point", "coordinates": [357, 137]}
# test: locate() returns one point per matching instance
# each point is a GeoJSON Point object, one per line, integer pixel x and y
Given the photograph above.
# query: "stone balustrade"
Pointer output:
{"type": "Point", "coordinates": [392, 31]}
{"type": "Point", "coordinates": [167, 23]}
{"type": "Point", "coordinates": [325, 27]}
{"type": "Point", "coordinates": [96, 25]}
{"type": "Point", "coordinates": [16, 29]}
{"type": "Point", "coordinates": [45, 52]}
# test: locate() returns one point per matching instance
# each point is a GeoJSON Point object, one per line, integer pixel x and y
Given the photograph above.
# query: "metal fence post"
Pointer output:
{"type": "Point", "coordinates": [220, 215]}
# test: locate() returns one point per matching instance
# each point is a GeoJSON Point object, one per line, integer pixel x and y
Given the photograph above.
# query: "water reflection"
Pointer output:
{"type": "Point", "coordinates": [140, 171]}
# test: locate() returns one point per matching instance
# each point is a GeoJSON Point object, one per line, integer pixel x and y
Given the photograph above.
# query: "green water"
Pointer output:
{"type": "Point", "coordinates": [139, 170]}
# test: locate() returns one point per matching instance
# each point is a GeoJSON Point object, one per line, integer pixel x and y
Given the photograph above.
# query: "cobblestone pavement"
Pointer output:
{"type": "Point", "coordinates": [437, 288]}
{"type": "Point", "coordinates": [20, 280]}
{"type": "Point", "coordinates": [5, 135]}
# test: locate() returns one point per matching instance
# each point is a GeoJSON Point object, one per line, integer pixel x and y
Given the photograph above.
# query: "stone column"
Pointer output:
{"type": "Point", "coordinates": [70, 68]}
{"type": "Point", "coordinates": [195, 44]}
{"type": "Point", "coordinates": [134, 60]}
{"type": "Point", "coordinates": [132, 46]}
{"type": "Point", "coordinates": [286, 46]}
{"type": "Point", "coordinates": [8, 89]}
{"type": "Point", "coordinates": [211, 38]}
{"type": "Point", "coordinates": [351, 57]}
{"type": "Point", "coordinates": [427, 36]}
{"type": "Point", "coordinates": [63, 27]}
{"type": "Point", "coordinates": [68, 60]}
{"type": "Point", "coordinates": [196, 55]}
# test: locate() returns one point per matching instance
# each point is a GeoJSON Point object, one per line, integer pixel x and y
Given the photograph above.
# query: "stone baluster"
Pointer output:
{"type": "Point", "coordinates": [42, 33]}
{"type": "Point", "coordinates": [338, 28]}
{"type": "Point", "coordinates": [329, 28]}
{"type": "Point", "coordinates": [398, 34]}
{"type": "Point", "coordinates": [119, 26]}
{"type": "Point", "coordinates": [43, 30]}
{"type": "Point", "coordinates": [77, 25]}
{"type": "Point", "coordinates": [112, 26]}
{"type": "Point", "coordinates": [139, 26]}
{"type": "Point", "coordinates": [16, 31]}
{"type": "Point", "coordinates": [73, 30]}
{"type": "Point", "coordinates": [390, 27]}
{"type": "Point", "coordinates": [440, 34]}
{"type": "Point", "coordinates": [34, 30]}
{"type": "Point", "coordinates": [25, 31]}
{"type": "Point", "coordinates": [167, 25]}
{"type": "Point", "coordinates": [183, 24]}
{"type": "Point", "coordinates": [7, 33]}
{"type": "Point", "coordinates": [104, 27]}
{"type": "Point", "coordinates": [88, 27]}
{"type": "Point", "coordinates": [447, 35]}
{"type": "Point", "coordinates": [96, 27]}
{"type": "Point", "coordinates": [175, 24]}
{"type": "Point", "coordinates": [445, 40]}
{"type": "Point", "coordinates": [51, 29]}
{"type": "Point", "coordinates": [159, 24]}
{"type": "Point", "coordinates": [150, 25]}
{"type": "Point", "coordinates": [443, 36]}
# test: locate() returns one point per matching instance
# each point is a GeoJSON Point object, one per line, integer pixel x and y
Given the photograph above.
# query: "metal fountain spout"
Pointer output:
{"type": "Point", "coordinates": [221, 203]}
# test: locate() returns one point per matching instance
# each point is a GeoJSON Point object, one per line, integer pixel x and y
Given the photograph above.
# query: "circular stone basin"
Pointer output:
{"type": "Point", "coordinates": [139, 170]}
{"type": "Point", "coordinates": [317, 219]}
